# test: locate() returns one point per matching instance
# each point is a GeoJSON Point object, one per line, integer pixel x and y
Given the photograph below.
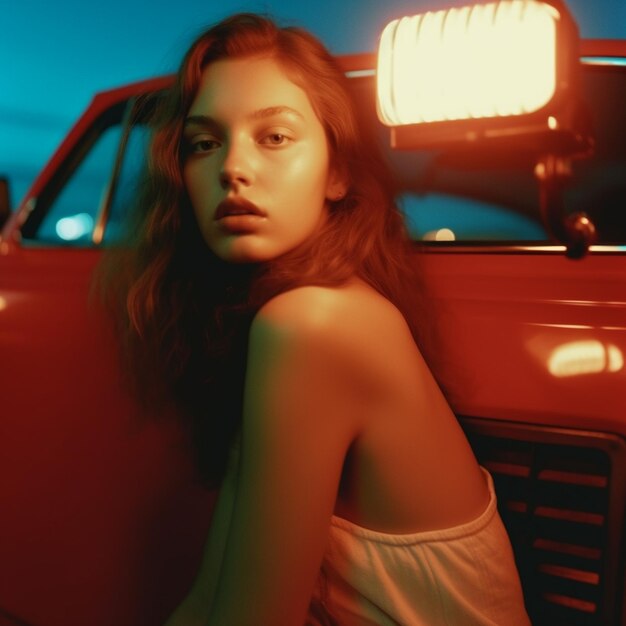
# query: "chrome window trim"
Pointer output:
{"type": "Point", "coordinates": [604, 60]}
{"type": "Point", "coordinates": [585, 60]}
{"type": "Point", "coordinates": [360, 73]}
{"type": "Point", "coordinates": [104, 210]}
{"type": "Point", "coordinates": [498, 248]}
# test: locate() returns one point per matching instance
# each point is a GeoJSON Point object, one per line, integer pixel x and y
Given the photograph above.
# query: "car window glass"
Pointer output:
{"type": "Point", "coordinates": [445, 217]}
{"type": "Point", "coordinates": [71, 216]}
{"type": "Point", "coordinates": [127, 183]}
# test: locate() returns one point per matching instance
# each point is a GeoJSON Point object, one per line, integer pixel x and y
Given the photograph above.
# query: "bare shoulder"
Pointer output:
{"type": "Point", "coordinates": [352, 326]}
{"type": "Point", "coordinates": [312, 320]}
{"type": "Point", "coordinates": [304, 353]}
{"type": "Point", "coordinates": [347, 311]}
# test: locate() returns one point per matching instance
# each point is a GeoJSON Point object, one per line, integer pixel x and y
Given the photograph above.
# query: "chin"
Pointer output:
{"type": "Point", "coordinates": [241, 254]}
{"type": "Point", "coordinates": [250, 250]}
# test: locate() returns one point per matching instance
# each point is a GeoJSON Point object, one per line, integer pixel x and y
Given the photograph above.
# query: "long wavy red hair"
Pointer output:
{"type": "Point", "coordinates": [182, 314]}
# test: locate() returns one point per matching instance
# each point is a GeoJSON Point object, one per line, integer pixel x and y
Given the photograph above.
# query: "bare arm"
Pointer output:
{"type": "Point", "coordinates": [298, 423]}
{"type": "Point", "coordinates": [195, 608]}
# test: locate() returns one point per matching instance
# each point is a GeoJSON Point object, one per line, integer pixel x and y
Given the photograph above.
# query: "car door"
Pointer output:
{"type": "Point", "coordinates": [102, 520]}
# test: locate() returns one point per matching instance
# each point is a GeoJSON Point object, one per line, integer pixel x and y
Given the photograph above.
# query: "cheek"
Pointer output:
{"type": "Point", "coordinates": [192, 181]}
{"type": "Point", "coordinates": [306, 177]}
{"type": "Point", "coordinates": [198, 183]}
{"type": "Point", "coordinates": [305, 206]}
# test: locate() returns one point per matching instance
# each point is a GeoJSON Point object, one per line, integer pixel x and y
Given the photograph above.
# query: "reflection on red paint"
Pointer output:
{"type": "Point", "coordinates": [585, 357]}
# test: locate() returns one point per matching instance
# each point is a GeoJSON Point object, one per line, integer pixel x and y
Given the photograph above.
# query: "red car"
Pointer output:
{"type": "Point", "coordinates": [102, 519]}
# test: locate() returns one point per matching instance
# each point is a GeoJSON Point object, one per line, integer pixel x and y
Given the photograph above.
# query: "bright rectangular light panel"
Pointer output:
{"type": "Point", "coordinates": [478, 61]}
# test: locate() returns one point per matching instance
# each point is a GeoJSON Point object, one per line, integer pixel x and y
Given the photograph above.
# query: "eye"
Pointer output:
{"type": "Point", "coordinates": [275, 139]}
{"type": "Point", "coordinates": [200, 144]}
{"type": "Point", "coordinates": [204, 145]}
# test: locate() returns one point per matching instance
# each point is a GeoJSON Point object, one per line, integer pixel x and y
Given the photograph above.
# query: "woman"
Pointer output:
{"type": "Point", "coordinates": [271, 288]}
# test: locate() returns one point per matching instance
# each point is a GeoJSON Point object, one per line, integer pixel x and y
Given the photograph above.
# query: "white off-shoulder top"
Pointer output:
{"type": "Point", "coordinates": [460, 576]}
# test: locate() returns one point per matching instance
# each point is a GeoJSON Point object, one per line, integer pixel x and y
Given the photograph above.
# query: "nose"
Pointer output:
{"type": "Point", "coordinates": [237, 168]}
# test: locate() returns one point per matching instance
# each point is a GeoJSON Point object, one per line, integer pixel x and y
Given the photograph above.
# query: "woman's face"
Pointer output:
{"type": "Point", "coordinates": [256, 161]}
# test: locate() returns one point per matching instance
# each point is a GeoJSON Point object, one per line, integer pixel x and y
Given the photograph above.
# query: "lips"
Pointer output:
{"type": "Point", "coordinates": [239, 206]}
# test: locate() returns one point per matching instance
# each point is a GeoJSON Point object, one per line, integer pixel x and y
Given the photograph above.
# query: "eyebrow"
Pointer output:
{"type": "Point", "coordinates": [205, 120]}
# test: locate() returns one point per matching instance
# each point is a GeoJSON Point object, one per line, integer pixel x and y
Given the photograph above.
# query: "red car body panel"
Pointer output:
{"type": "Point", "coordinates": [102, 519]}
{"type": "Point", "coordinates": [102, 522]}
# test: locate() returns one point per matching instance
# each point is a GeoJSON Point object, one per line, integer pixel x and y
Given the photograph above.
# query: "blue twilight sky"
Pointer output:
{"type": "Point", "coordinates": [55, 54]}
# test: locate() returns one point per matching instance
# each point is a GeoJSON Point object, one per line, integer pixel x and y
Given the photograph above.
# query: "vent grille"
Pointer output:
{"type": "Point", "coordinates": [561, 497]}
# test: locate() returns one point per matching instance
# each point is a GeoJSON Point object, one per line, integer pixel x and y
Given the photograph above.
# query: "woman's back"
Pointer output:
{"type": "Point", "coordinates": [410, 469]}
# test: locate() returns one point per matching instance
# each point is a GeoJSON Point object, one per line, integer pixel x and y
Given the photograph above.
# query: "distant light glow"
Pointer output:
{"type": "Point", "coordinates": [585, 357]}
{"type": "Point", "coordinates": [74, 227]}
{"type": "Point", "coordinates": [441, 234]}
{"type": "Point", "coordinates": [481, 61]}
{"type": "Point", "coordinates": [3, 303]}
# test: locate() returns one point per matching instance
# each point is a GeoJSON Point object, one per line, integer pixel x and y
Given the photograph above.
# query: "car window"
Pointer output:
{"type": "Point", "coordinates": [444, 217]}
{"type": "Point", "coordinates": [67, 209]}
{"type": "Point", "coordinates": [127, 184]}
{"type": "Point", "coordinates": [72, 215]}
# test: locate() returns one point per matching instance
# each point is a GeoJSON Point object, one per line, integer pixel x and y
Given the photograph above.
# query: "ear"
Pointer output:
{"type": "Point", "coordinates": [337, 184]}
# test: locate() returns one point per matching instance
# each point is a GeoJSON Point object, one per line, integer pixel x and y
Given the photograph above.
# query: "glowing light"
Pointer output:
{"type": "Point", "coordinates": [486, 60]}
{"type": "Point", "coordinates": [74, 226]}
{"type": "Point", "coordinates": [3, 303]}
{"type": "Point", "coordinates": [585, 357]}
{"type": "Point", "coordinates": [442, 234]}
